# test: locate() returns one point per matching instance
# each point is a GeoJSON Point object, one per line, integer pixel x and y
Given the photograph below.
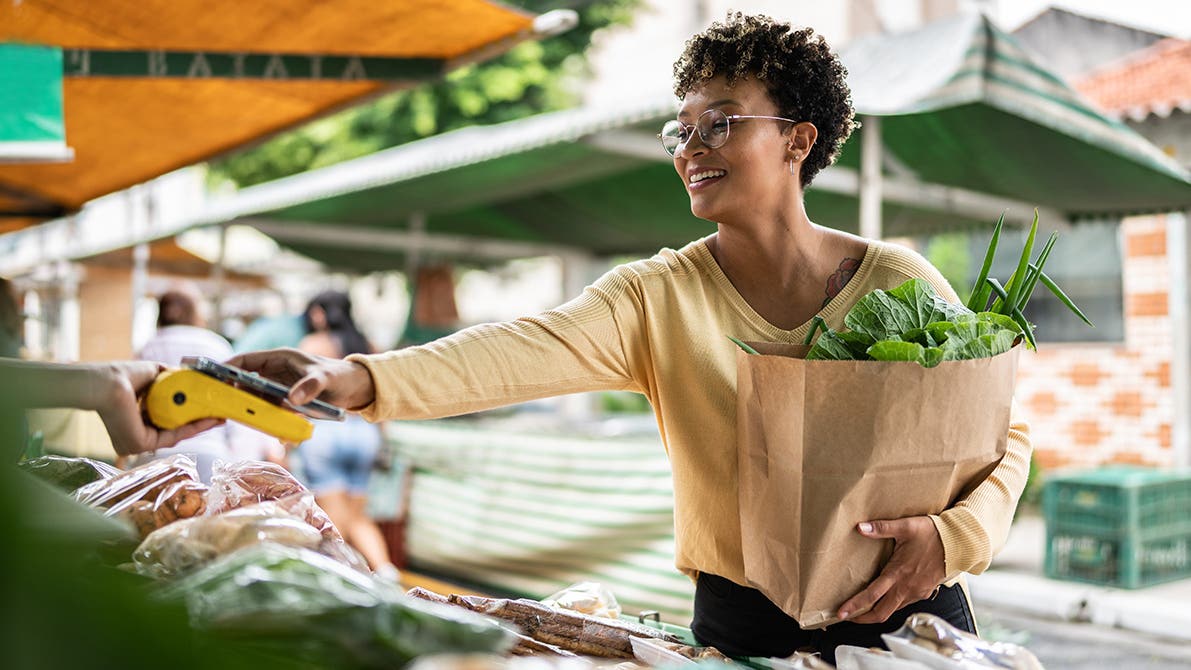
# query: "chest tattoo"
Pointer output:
{"type": "Point", "coordinates": [839, 279]}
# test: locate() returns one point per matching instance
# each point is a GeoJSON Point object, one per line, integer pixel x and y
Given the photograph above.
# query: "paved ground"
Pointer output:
{"type": "Point", "coordinates": [1071, 625]}
{"type": "Point", "coordinates": [1063, 645]}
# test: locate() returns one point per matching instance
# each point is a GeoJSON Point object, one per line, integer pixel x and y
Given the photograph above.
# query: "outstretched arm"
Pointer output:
{"type": "Point", "coordinates": [111, 389]}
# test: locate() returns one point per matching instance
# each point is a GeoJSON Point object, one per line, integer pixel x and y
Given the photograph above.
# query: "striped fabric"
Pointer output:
{"type": "Point", "coordinates": [532, 514]}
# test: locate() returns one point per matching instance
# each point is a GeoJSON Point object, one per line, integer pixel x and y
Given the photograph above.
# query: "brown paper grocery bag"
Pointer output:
{"type": "Point", "coordinates": [824, 445]}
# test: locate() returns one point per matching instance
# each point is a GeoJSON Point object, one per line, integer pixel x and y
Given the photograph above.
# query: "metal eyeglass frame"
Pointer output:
{"type": "Point", "coordinates": [698, 128]}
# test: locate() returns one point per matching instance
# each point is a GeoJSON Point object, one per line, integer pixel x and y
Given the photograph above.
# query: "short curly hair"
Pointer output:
{"type": "Point", "coordinates": [803, 77]}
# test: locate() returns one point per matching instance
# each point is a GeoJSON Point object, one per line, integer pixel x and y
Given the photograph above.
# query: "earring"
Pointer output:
{"type": "Point", "coordinates": [791, 162]}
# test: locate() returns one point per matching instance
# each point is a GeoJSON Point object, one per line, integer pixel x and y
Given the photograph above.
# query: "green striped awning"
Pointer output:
{"type": "Point", "coordinates": [963, 104]}
{"type": "Point", "coordinates": [531, 514]}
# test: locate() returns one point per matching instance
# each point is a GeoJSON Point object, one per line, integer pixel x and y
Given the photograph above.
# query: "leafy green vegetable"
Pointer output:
{"type": "Point", "coordinates": [912, 322]}
{"type": "Point", "coordinates": [291, 602]}
{"type": "Point", "coordinates": [886, 315]}
{"type": "Point", "coordinates": [895, 350]}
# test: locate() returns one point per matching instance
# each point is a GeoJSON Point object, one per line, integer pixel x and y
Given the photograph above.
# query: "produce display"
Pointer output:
{"type": "Point", "coordinates": [926, 639]}
{"type": "Point", "coordinates": [300, 603]}
{"type": "Point", "coordinates": [152, 496]}
{"type": "Point", "coordinates": [261, 568]}
{"type": "Point", "coordinates": [68, 474]}
{"type": "Point", "coordinates": [235, 485]}
{"type": "Point", "coordinates": [256, 574]}
{"type": "Point", "coordinates": [191, 543]}
{"type": "Point", "coordinates": [586, 598]}
{"type": "Point", "coordinates": [570, 631]}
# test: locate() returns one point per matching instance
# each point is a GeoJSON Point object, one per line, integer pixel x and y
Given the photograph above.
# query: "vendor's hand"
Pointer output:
{"type": "Point", "coordinates": [339, 382]}
{"type": "Point", "coordinates": [913, 572]}
{"type": "Point", "coordinates": [114, 391]}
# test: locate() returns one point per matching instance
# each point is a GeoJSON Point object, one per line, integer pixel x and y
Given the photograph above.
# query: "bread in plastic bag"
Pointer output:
{"type": "Point", "coordinates": [66, 473]}
{"type": "Point", "coordinates": [235, 485]}
{"type": "Point", "coordinates": [152, 495]}
{"type": "Point", "coordinates": [192, 543]}
{"type": "Point", "coordinates": [926, 637]}
{"type": "Point", "coordinates": [586, 598]}
{"type": "Point", "coordinates": [300, 604]}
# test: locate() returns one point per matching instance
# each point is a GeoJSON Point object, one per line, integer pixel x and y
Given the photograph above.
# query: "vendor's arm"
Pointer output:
{"type": "Point", "coordinates": [111, 389]}
{"type": "Point", "coordinates": [579, 346]}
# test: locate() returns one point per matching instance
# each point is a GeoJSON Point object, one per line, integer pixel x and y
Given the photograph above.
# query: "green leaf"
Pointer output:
{"type": "Point", "coordinates": [921, 336]}
{"type": "Point", "coordinates": [981, 292]}
{"type": "Point", "coordinates": [1017, 281]}
{"type": "Point", "coordinates": [940, 330]}
{"type": "Point", "coordinates": [885, 315]}
{"type": "Point", "coordinates": [830, 347]}
{"type": "Point", "coordinates": [982, 335]}
{"type": "Point", "coordinates": [891, 350]}
{"type": "Point", "coordinates": [747, 349]}
{"type": "Point", "coordinates": [1054, 288]}
{"type": "Point", "coordinates": [929, 305]}
{"type": "Point", "coordinates": [1035, 271]}
{"type": "Point", "coordinates": [1026, 328]}
{"type": "Point", "coordinates": [858, 343]}
{"type": "Point", "coordinates": [817, 323]}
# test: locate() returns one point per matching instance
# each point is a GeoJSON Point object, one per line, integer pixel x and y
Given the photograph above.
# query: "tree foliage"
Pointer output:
{"type": "Point", "coordinates": [529, 79]}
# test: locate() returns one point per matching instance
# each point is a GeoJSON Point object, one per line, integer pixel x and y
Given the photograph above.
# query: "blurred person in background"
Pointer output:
{"type": "Point", "coordinates": [337, 460]}
{"type": "Point", "coordinates": [12, 322]}
{"type": "Point", "coordinates": [182, 331]}
{"type": "Point", "coordinates": [271, 332]}
{"type": "Point", "coordinates": [12, 420]}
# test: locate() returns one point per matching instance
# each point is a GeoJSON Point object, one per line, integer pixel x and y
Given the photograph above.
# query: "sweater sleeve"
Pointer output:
{"type": "Point", "coordinates": [975, 528]}
{"type": "Point", "coordinates": [579, 346]}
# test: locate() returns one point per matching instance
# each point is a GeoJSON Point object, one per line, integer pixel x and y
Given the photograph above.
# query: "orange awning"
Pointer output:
{"type": "Point", "coordinates": [127, 126]}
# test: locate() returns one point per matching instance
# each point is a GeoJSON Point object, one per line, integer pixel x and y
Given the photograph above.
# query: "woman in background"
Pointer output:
{"type": "Point", "coordinates": [337, 460]}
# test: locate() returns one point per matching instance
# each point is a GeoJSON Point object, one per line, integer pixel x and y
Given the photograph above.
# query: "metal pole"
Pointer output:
{"type": "Point", "coordinates": [69, 321]}
{"type": "Point", "coordinates": [218, 271]}
{"type": "Point", "coordinates": [140, 287]}
{"type": "Point", "coordinates": [578, 270]}
{"type": "Point", "coordinates": [1178, 246]}
{"type": "Point", "coordinates": [870, 178]}
{"type": "Point", "coordinates": [413, 254]}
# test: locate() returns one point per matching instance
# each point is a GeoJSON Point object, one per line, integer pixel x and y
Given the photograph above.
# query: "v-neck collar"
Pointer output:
{"type": "Point", "coordinates": [844, 298]}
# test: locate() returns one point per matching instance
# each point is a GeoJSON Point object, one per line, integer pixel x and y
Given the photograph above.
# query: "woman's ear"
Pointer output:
{"type": "Point", "coordinates": [802, 139]}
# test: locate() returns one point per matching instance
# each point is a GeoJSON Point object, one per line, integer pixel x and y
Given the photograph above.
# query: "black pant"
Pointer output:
{"type": "Point", "coordinates": [740, 621]}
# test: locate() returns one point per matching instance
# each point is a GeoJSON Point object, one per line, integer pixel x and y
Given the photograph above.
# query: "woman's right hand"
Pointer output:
{"type": "Point", "coordinates": [340, 382]}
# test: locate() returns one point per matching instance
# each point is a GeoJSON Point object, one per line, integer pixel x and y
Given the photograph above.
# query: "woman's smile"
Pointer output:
{"type": "Point", "coordinates": [701, 178]}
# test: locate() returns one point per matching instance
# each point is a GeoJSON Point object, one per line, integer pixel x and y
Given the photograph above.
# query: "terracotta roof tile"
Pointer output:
{"type": "Point", "coordinates": [1155, 80]}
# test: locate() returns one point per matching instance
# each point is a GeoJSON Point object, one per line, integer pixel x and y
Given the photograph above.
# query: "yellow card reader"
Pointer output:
{"type": "Point", "coordinates": [205, 388]}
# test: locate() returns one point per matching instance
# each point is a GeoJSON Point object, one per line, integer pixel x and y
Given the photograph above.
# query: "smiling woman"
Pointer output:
{"type": "Point", "coordinates": [764, 108]}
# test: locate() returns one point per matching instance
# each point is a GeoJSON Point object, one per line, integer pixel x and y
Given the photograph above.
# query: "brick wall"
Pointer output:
{"type": "Point", "coordinates": [1090, 404]}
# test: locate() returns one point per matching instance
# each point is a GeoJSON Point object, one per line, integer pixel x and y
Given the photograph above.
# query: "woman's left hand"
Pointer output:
{"type": "Point", "coordinates": [913, 572]}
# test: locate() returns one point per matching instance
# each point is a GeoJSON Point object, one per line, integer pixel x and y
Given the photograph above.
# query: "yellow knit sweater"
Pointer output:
{"type": "Point", "coordinates": [660, 327]}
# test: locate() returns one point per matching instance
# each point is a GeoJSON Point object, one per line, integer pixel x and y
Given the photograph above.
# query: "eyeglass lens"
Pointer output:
{"type": "Point", "coordinates": [712, 126]}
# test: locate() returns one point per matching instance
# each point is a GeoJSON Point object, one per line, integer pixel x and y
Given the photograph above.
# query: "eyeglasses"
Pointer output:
{"type": "Point", "coordinates": [712, 126]}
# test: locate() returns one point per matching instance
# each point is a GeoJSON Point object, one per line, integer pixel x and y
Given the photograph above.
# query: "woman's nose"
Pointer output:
{"type": "Point", "coordinates": [692, 147]}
